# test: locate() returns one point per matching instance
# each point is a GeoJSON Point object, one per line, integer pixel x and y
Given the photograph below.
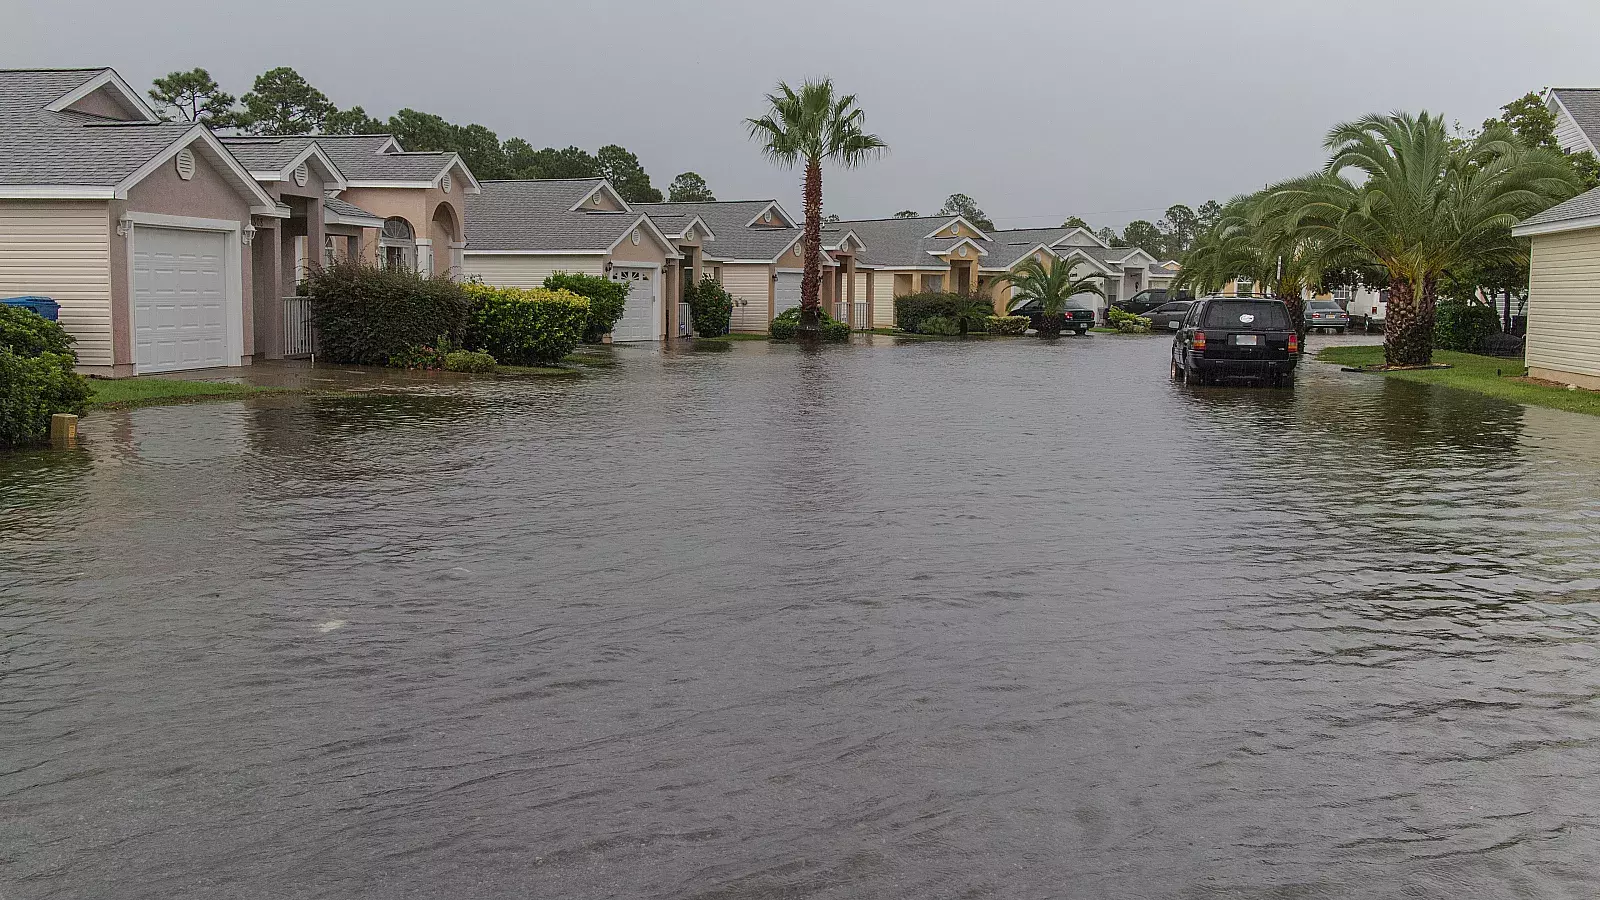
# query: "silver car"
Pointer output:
{"type": "Point", "coordinates": [1168, 316]}
{"type": "Point", "coordinates": [1327, 314]}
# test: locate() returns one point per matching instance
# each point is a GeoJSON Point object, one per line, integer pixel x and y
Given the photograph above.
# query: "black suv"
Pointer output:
{"type": "Point", "coordinates": [1229, 337]}
{"type": "Point", "coordinates": [1078, 318]}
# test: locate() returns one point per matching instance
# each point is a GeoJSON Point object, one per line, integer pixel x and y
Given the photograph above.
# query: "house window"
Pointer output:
{"type": "Point", "coordinates": [398, 244]}
{"type": "Point", "coordinates": [933, 282]}
{"type": "Point", "coordinates": [330, 253]}
{"type": "Point", "coordinates": [1244, 286]}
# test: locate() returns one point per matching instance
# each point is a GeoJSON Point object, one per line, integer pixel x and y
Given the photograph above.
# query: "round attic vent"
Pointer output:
{"type": "Point", "coordinates": [444, 183]}
{"type": "Point", "coordinates": [596, 199]}
{"type": "Point", "coordinates": [767, 217]}
{"type": "Point", "coordinates": [185, 163]}
{"type": "Point", "coordinates": [636, 237]}
{"type": "Point", "coordinates": [301, 173]}
{"type": "Point", "coordinates": [797, 251]}
{"type": "Point", "coordinates": [955, 229]}
{"type": "Point", "coordinates": [688, 233]}
{"type": "Point", "coordinates": [961, 250]}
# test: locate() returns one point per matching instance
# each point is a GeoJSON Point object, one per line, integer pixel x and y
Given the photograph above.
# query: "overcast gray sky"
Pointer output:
{"type": "Point", "coordinates": [1039, 109]}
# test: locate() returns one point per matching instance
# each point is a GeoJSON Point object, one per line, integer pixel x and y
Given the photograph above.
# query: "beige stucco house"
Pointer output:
{"type": "Point", "coordinates": [948, 253]}
{"type": "Point", "coordinates": [1563, 341]}
{"type": "Point", "coordinates": [521, 232]}
{"type": "Point", "coordinates": [141, 229]}
{"type": "Point", "coordinates": [751, 246]}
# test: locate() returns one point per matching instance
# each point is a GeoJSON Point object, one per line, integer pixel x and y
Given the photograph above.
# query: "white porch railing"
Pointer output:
{"type": "Point", "coordinates": [862, 311]}
{"type": "Point", "coordinates": [299, 338]}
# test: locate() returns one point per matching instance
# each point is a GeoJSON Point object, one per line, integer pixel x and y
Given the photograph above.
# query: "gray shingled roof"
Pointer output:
{"type": "Point", "coordinates": [729, 221]}
{"type": "Point", "coordinates": [1584, 105]}
{"type": "Point", "coordinates": [40, 147]}
{"type": "Point", "coordinates": [342, 208]}
{"type": "Point", "coordinates": [1582, 206]}
{"type": "Point", "coordinates": [358, 158]}
{"type": "Point", "coordinates": [893, 243]}
{"type": "Point", "coordinates": [260, 154]}
{"type": "Point", "coordinates": [538, 216]}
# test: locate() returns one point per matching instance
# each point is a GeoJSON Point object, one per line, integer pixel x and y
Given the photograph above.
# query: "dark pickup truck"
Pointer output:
{"type": "Point", "coordinates": [1236, 337]}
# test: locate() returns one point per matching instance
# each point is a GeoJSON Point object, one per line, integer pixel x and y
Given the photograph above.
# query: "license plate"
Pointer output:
{"type": "Point", "coordinates": [1246, 340]}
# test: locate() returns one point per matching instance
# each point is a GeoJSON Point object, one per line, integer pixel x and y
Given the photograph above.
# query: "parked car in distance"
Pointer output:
{"type": "Point", "coordinates": [1369, 309]}
{"type": "Point", "coordinates": [1168, 316]}
{"type": "Point", "coordinates": [1149, 299]}
{"type": "Point", "coordinates": [1079, 318]}
{"type": "Point", "coordinates": [1326, 314]}
{"type": "Point", "coordinates": [1236, 337]}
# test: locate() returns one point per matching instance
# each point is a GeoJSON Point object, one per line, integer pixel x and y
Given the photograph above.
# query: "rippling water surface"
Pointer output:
{"type": "Point", "coordinates": [998, 619]}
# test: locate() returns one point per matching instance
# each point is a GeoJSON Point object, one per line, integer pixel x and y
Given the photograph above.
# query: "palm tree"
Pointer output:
{"type": "Point", "coordinates": [1421, 203]}
{"type": "Point", "coordinates": [1052, 286]}
{"type": "Point", "coordinates": [1255, 238]}
{"type": "Point", "coordinates": [807, 127]}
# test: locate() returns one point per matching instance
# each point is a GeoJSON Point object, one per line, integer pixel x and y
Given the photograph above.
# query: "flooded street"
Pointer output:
{"type": "Point", "coordinates": [984, 619]}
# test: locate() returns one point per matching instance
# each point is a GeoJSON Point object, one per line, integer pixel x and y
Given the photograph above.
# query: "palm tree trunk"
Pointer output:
{"type": "Point", "coordinates": [811, 281]}
{"type": "Point", "coordinates": [1408, 333]}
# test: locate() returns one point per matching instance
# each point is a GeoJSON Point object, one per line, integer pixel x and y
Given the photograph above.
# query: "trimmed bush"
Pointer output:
{"type": "Point", "coordinates": [1127, 322]}
{"type": "Point", "coordinates": [911, 309]}
{"type": "Point", "coordinates": [943, 326]}
{"type": "Point", "coordinates": [526, 327]}
{"type": "Point", "coordinates": [26, 333]}
{"type": "Point", "coordinates": [607, 301]}
{"type": "Point", "coordinates": [34, 388]}
{"type": "Point", "coordinates": [1007, 324]}
{"type": "Point", "coordinates": [469, 361]}
{"type": "Point", "coordinates": [787, 323]}
{"type": "Point", "coordinates": [1463, 326]}
{"type": "Point", "coordinates": [368, 315]}
{"type": "Point", "coordinates": [710, 307]}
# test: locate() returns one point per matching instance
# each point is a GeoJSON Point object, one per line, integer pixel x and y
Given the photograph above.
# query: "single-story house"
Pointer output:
{"type": "Point", "coordinates": [949, 253]}
{"type": "Point", "coordinates": [1563, 341]}
{"type": "Point", "coordinates": [753, 249]}
{"type": "Point", "coordinates": [420, 196]}
{"type": "Point", "coordinates": [141, 229]}
{"type": "Point", "coordinates": [520, 232]}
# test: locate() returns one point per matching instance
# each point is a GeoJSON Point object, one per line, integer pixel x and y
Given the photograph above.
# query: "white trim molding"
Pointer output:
{"type": "Point", "coordinates": [1579, 224]}
{"type": "Point", "coordinates": [472, 252]}
{"type": "Point", "coordinates": [644, 222]}
{"type": "Point", "coordinates": [56, 192]}
{"type": "Point", "coordinates": [951, 221]}
{"type": "Point", "coordinates": [107, 77]}
{"type": "Point", "coordinates": [788, 220]}
{"type": "Point", "coordinates": [217, 154]}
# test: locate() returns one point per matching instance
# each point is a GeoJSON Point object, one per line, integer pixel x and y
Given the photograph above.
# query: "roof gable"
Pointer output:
{"type": "Point", "coordinates": [109, 83]}
{"type": "Point", "coordinates": [1577, 112]}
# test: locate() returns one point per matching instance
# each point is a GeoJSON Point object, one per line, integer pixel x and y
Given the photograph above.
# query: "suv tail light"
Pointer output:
{"type": "Point", "coordinates": [1199, 342]}
{"type": "Point", "coordinates": [1294, 343]}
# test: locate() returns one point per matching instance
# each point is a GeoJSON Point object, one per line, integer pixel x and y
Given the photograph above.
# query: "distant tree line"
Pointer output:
{"type": "Point", "coordinates": [282, 102]}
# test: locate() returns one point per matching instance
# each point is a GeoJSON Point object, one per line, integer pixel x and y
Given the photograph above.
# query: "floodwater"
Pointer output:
{"type": "Point", "coordinates": [986, 619]}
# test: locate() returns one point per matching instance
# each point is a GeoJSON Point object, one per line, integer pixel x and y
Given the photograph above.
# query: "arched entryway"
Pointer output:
{"type": "Point", "coordinates": [444, 231]}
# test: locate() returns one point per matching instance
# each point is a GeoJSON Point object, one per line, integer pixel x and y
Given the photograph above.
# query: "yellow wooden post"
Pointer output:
{"type": "Point", "coordinates": [64, 431]}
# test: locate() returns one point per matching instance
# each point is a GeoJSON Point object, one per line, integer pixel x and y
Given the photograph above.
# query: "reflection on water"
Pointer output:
{"type": "Point", "coordinates": [950, 619]}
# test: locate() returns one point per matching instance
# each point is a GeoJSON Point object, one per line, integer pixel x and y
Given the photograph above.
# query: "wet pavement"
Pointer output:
{"type": "Point", "coordinates": [981, 619]}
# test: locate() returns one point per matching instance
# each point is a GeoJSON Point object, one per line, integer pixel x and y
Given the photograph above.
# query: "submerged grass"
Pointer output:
{"type": "Point", "coordinates": [1489, 375]}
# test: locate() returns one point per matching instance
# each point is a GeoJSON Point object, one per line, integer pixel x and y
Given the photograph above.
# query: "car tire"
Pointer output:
{"type": "Point", "coordinates": [1082, 332]}
{"type": "Point", "coordinates": [1343, 330]}
{"type": "Point", "coordinates": [1194, 376]}
{"type": "Point", "coordinates": [1178, 373]}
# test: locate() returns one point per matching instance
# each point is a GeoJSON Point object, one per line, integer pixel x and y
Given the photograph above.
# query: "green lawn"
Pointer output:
{"type": "Point", "coordinates": [504, 369]}
{"type": "Point", "coordinates": [1489, 375]}
{"type": "Point", "coordinates": [123, 393]}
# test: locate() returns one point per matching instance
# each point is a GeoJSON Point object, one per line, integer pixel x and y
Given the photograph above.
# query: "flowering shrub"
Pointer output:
{"type": "Point", "coordinates": [526, 327]}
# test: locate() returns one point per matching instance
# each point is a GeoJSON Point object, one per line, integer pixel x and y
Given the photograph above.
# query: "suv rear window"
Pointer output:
{"type": "Point", "coordinates": [1246, 315]}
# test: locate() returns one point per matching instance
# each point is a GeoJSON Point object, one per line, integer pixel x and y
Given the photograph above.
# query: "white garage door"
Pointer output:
{"type": "Point", "coordinates": [638, 321]}
{"type": "Point", "coordinates": [786, 292]}
{"type": "Point", "coordinates": [181, 315]}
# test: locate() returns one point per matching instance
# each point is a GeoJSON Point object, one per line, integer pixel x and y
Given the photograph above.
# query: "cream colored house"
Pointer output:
{"type": "Point", "coordinates": [141, 230]}
{"type": "Point", "coordinates": [948, 253]}
{"type": "Point", "coordinates": [750, 246]}
{"type": "Point", "coordinates": [521, 232]}
{"type": "Point", "coordinates": [1564, 292]}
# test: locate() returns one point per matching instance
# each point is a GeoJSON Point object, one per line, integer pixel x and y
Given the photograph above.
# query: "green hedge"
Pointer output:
{"type": "Point", "coordinates": [1127, 322]}
{"type": "Point", "coordinates": [26, 333]}
{"type": "Point", "coordinates": [469, 361]}
{"type": "Point", "coordinates": [1463, 326]}
{"type": "Point", "coordinates": [34, 388]}
{"type": "Point", "coordinates": [970, 312]}
{"type": "Point", "coordinates": [1007, 325]}
{"type": "Point", "coordinates": [787, 323]}
{"type": "Point", "coordinates": [368, 315]}
{"type": "Point", "coordinates": [711, 308]}
{"type": "Point", "coordinates": [526, 327]}
{"type": "Point", "coordinates": [942, 326]}
{"type": "Point", "coordinates": [607, 301]}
